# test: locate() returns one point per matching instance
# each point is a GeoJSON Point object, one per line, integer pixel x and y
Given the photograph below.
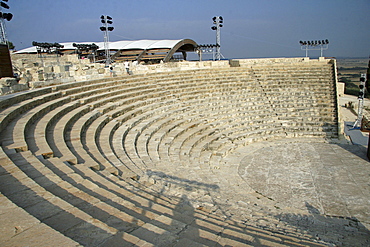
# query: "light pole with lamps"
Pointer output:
{"type": "Point", "coordinates": [3, 17]}
{"type": "Point", "coordinates": [106, 20]}
{"type": "Point", "coordinates": [314, 45]}
{"type": "Point", "coordinates": [218, 20]}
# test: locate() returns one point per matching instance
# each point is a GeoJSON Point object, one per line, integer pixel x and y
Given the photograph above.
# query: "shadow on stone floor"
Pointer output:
{"type": "Point", "coordinates": [220, 229]}
{"type": "Point", "coordinates": [337, 230]}
{"type": "Point", "coordinates": [358, 150]}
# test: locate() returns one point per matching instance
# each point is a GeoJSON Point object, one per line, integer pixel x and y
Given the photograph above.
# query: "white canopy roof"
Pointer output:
{"type": "Point", "coordinates": [118, 45]}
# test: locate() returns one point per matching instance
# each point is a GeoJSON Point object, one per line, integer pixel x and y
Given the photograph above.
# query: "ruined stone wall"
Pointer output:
{"type": "Point", "coordinates": [35, 72]}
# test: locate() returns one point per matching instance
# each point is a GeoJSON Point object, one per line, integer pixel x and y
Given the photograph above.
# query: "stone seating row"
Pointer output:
{"type": "Point", "coordinates": [26, 120]}
{"type": "Point", "coordinates": [141, 131]}
{"type": "Point", "coordinates": [66, 89]}
{"type": "Point", "coordinates": [14, 105]}
{"type": "Point", "coordinates": [178, 142]}
{"type": "Point", "coordinates": [105, 118]}
{"type": "Point", "coordinates": [96, 199]}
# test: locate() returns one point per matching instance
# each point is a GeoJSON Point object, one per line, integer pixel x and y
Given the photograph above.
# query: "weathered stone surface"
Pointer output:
{"type": "Point", "coordinates": [8, 82]}
{"type": "Point", "coordinates": [14, 220]}
{"type": "Point", "coordinates": [39, 235]}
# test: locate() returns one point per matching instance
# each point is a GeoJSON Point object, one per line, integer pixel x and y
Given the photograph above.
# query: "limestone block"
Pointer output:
{"type": "Point", "coordinates": [80, 78]}
{"type": "Point", "coordinates": [5, 90]}
{"type": "Point", "coordinates": [85, 67]}
{"type": "Point", "coordinates": [88, 72]}
{"type": "Point", "coordinates": [34, 76]}
{"type": "Point", "coordinates": [67, 79]}
{"type": "Point", "coordinates": [8, 81]}
{"type": "Point", "coordinates": [84, 61]}
{"type": "Point", "coordinates": [75, 67]}
{"type": "Point", "coordinates": [48, 69]}
{"type": "Point", "coordinates": [36, 84]}
{"type": "Point", "coordinates": [321, 59]}
{"type": "Point", "coordinates": [19, 87]}
{"type": "Point", "coordinates": [57, 69]}
{"type": "Point", "coordinates": [49, 76]}
{"type": "Point", "coordinates": [61, 68]}
{"type": "Point", "coordinates": [90, 77]}
{"type": "Point", "coordinates": [91, 72]}
{"type": "Point", "coordinates": [207, 64]}
{"type": "Point", "coordinates": [341, 87]}
{"type": "Point", "coordinates": [234, 63]}
{"type": "Point", "coordinates": [40, 75]}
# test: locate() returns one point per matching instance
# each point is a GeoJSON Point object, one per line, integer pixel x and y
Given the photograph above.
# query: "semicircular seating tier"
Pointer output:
{"type": "Point", "coordinates": [89, 163]}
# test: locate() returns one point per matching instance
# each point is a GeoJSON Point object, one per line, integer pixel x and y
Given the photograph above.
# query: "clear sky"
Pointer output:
{"type": "Point", "coordinates": [252, 28]}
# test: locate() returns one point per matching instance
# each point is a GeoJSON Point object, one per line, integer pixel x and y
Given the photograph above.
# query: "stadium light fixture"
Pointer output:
{"type": "Point", "coordinates": [314, 45]}
{"type": "Point", "coordinates": [361, 95]}
{"type": "Point", "coordinates": [4, 16]}
{"type": "Point", "coordinates": [206, 49]}
{"type": "Point", "coordinates": [87, 48]}
{"type": "Point", "coordinates": [106, 20]}
{"type": "Point", "coordinates": [4, 5]}
{"type": "Point", "coordinates": [50, 48]}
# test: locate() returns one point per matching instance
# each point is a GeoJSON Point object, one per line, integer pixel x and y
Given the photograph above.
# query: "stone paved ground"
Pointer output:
{"type": "Point", "coordinates": [332, 179]}
{"type": "Point", "coordinates": [319, 188]}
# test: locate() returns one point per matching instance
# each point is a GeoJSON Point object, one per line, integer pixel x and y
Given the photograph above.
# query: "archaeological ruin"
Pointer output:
{"type": "Point", "coordinates": [248, 152]}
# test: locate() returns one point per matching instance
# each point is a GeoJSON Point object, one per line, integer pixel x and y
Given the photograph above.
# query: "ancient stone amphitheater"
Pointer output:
{"type": "Point", "coordinates": [170, 159]}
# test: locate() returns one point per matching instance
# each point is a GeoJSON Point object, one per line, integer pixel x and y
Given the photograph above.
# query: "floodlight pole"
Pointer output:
{"type": "Point", "coordinates": [218, 41]}
{"type": "Point", "coordinates": [361, 96]}
{"type": "Point", "coordinates": [306, 50]}
{"type": "Point", "coordinates": [217, 20]}
{"type": "Point", "coordinates": [3, 16]}
{"type": "Point", "coordinates": [105, 28]}
{"type": "Point", "coordinates": [106, 42]}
